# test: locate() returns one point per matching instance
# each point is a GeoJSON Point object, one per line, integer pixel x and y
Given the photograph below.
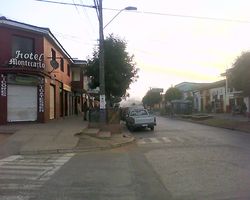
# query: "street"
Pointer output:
{"type": "Point", "coordinates": [177, 161]}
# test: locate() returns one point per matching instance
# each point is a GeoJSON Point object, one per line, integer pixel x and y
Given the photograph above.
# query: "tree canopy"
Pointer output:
{"type": "Point", "coordinates": [239, 76]}
{"type": "Point", "coordinates": [172, 94]}
{"type": "Point", "coordinates": [120, 69]}
{"type": "Point", "coordinates": [151, 98]}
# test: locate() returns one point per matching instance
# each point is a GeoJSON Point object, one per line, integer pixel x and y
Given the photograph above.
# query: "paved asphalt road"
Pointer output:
{"type": "Point", "coordinates": [178, 161]}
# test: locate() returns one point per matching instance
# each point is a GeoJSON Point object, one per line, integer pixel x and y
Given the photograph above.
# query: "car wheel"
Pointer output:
{"type": "Point", "coordinates": [152, 128]}
{"type": "Point", "coordinates": [130, 128]}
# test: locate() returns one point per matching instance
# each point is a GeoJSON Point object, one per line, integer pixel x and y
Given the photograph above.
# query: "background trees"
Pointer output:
{"type": "Point", "coordinates": [120, 69]}
{"type": "Point", "coordinates": [151, 98]}
{"type": "Point", "coordinates": [173, 94]}
{"type": "Point", "coordinates": [239, 77]}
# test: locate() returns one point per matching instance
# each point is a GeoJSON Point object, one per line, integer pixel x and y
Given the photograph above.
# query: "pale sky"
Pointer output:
{"type": "Point", "coordinates": [168, 49]}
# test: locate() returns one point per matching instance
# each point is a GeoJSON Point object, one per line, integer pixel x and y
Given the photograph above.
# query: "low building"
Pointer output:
{"type": "Point", "coordinates": [187, 88]}
{"type": "Point", "coordinates": [35, 74]}
{"type": "Point", "coordinates": [235, 99]}
{"type": "Point", "coordinates": [210, 97]}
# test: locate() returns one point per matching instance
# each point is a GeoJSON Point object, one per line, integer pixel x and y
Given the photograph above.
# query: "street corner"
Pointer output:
{"type": "Point", "coordinates": [92, 140]}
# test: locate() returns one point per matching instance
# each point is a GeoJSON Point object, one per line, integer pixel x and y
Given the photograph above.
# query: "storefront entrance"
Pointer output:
{"type": "Point", "coordinates": [21, 103]}
{"type": "Point", "coordinates": [52, 102]}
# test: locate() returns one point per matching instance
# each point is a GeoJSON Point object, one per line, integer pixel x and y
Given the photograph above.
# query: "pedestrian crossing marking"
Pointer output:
{"type": "Point", "coordinates": [9, 159]}
{"type": "Point", "coordinates": [35, 170]}
{"type": "Point", "coordinates": [12, 197]}
{"type": "Point", "coordinates": [165, 139]}
{"type": "Point", "coordinates": [141, 141]}
{"type": "Point", "coordinates": [14, 186]}
{"type": "Point", "coordinates": [162, 140]}
{"type": "Point", "coordinates": [154, 140]}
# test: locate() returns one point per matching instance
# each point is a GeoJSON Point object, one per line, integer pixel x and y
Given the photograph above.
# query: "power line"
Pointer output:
{"type": "Point", "coordinates": [87, 16]}
{"type": "Point", "coordinates": [152, 13]}
{"type": "Point", "coordinates": [76, 7]}
{"type": "Point", "coordinates": [195, 17]}
{"type": "Point", "coordinates": [72, 4]}
{"type": "Point", "coordinates": [96, 9]}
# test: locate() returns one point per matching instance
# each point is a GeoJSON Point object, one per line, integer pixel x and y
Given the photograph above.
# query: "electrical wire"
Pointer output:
{"type": "Point", "coordinates": [87, 16]}
{"type": "Point", "coordinates": [76, 7]}
{"type": "Point", "coordinates": [72, 4]}
{"type": "Point", "coordinates": [152, 13]}
{"type": "Point", "coordinates": [96, 8]}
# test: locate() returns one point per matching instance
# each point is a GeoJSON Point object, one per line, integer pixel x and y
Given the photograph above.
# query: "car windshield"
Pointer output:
{"type": "Point", "coordinates": [138, 112]}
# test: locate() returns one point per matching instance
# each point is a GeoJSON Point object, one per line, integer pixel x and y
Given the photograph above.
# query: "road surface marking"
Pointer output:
{"type": "Point", "coordinates": [17, 197]}
{"type": "Point", "coordinates": [141, 141]}
{"type": "Point", "coordinates": [165, 139]}
{"type": "Point", "coordinates": [154, 140]}
{"type": "Point", "coordinates": [35, 170]}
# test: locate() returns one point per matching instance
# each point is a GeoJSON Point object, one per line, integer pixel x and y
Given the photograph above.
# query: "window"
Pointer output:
{"type": "Point", "coordinates": [62, 64]}
{"type": "Point", "coordinates": [53, 54]}
{"type": "Point", "coordinates": [68, 70]}
{"type": "Point", "coordinates": [22, 44]}
{"type": "Point", "coordinates": [75, 74]}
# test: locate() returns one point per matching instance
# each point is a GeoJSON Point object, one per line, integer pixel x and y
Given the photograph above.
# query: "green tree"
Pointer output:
{"type": "Point", "coordinates": [151, 98]}
{"type": "Point", "coordinates": [120, 69]}
{"type": "Point", "coordinates": [172, 94]}
{"type": "Point", "coordinates": [239, 77]}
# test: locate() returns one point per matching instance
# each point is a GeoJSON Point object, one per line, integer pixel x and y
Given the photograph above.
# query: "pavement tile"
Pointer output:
{"type": "Point", "coordinates": [60, 136]}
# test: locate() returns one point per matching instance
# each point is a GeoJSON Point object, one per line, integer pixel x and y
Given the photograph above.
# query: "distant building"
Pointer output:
{"type": "Point", "coordinates": [210, 97]}
{"type": "Point", "coordinates": [234, 98]}
{"type": "Point", "coordinates": [187, 88]}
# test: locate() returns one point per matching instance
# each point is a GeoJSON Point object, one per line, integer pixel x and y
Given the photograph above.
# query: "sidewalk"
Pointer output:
{"type": "Point", "coordinates": [224, 120]}
{"type": "Point", "coordinates": [56, 136]}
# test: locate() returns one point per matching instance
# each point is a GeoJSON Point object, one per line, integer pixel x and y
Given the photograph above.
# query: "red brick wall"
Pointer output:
{"type": "Point", "coordinates": [42, 45]}
{"type": "Point", "coordinates": [58, 74]}
{"type": "Point", "coordinates": [6, 41]}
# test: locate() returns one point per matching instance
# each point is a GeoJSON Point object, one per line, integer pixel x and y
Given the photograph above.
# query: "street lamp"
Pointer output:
{"type": "Point", "coordinates": [101, 59]}
{"type": "Point", "coordinates": [127, 8]}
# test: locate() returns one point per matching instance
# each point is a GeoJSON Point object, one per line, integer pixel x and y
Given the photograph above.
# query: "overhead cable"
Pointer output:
{"type": "Point", "coordinates": [153, 13]}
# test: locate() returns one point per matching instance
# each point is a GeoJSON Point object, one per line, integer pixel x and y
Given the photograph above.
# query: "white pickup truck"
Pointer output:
{"type": "Point", "coordinates": [140, 118]}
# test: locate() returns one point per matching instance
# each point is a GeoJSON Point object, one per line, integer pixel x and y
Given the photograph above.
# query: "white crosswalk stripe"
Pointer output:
{"type": "Point", "coordinates": [27, 174]}
{"type": "Point", "coordinates": [165, 139]}
{"type": "Point", "coordinates": [154, 140]}
{"type": "Point", "coordinates": [161, 140]}
{"type": "Point", "coordinates": [144, 141]}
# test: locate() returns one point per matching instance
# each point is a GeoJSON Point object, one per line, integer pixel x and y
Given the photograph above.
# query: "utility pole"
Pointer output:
{"type": "Point", "coordinates": [101, 66]}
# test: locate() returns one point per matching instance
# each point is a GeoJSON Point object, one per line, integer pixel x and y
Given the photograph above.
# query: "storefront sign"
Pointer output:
{"type": "Point", "coordinates": [28, 60]}
{"type": "Point", "coordinates": [41, 96]}
{"type": "Point", "coordinates": [23, 79]}
{"type": "Point", "coordinates": [3, 86]}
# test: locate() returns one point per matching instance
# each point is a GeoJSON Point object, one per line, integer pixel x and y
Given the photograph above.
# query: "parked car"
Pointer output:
{"type": "Point", "coordinates": [140, 118]}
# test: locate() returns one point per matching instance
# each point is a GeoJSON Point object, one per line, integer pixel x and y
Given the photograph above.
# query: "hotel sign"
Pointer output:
{"type": "Point", "coordinates": [28, 60]}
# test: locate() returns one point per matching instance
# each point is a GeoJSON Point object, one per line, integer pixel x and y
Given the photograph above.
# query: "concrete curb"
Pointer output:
{"type": "Point", "coordinates": [75, 150]}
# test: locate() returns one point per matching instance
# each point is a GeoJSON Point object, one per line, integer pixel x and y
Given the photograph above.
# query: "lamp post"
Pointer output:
{"type": "Point", "coordinates": [127, 8]}
{"type": "Point", "coordinates": [101, 59]}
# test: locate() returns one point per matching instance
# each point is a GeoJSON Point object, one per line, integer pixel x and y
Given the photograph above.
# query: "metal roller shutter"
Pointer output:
{"type": "Point", "coordinates": [22, 103]}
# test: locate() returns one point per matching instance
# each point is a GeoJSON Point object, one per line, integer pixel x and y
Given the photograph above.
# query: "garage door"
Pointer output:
{"type": "Point", "coordinates": [22, 103]}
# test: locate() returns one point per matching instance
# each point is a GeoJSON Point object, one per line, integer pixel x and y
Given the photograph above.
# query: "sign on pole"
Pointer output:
{"type": "Point", "coordinates": [102, 102]}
